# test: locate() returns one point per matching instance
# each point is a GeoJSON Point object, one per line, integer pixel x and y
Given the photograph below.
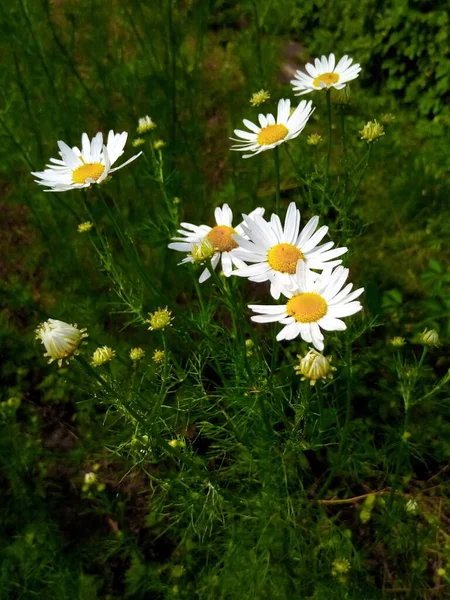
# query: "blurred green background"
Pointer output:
{"type": "Point", "coordinates": [70, 66]}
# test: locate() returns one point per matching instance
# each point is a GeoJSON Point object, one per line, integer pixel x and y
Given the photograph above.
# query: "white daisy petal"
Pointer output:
{"type": "Point", "coordinates": [251, 126]}
{"type": "Point", "coordinates": [344, 310]}
{"type": "Point", "coordinates": [330, 323]}
{"type": "Point", "coordinates": [77, 168]}
{"type": "Point", "coordinates": [227, 266]}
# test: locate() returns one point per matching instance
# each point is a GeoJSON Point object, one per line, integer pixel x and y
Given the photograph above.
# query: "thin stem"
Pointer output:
{"type": "Point", "coordinates": [344, 150]}
{"type": "Point", "coordinates": [174, 452]}
{"type": "Point", "coordinates": [258, 40]}
{"type": "Point", "coordinates": [306, 188]}
{"type": "Point", "coordinates": [328, 93]}
{"type": "Point", "coordinates": [363, 174]}
{"type": "Point", "coordinates": [276, 159]}
{"type": "Point", "coordinates": [348, 408]}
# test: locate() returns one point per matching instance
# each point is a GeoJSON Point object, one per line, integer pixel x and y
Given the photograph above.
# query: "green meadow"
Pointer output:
{"type": "Point", "coordinates": [245, 432]}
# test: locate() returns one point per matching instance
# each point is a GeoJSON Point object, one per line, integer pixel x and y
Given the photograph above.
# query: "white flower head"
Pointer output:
{"type": "Point", "coordinates": [77, 169]}
{"type": "Point", "coordinates": [61, 340]}
{"type": "Point", "coordinates": [325, 74]}
{"type": "Point", "coordinates": [315, 303]}
{"type": "Point", "coordinates": [273, 132]}
{"type": "Point", "coordinates": [275, 251]}
{"type": "Point", "coordinates": [220, 236]}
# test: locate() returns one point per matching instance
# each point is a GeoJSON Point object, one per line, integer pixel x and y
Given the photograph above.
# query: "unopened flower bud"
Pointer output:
{"type": "Point", "coordinates": [137, 354]}
{"type": "Point", "coordinates": [61, 340]}
{"type": "Point", "coordinates": [102, 355]}
{"type": "Point", "coordinates": [160, 319]}
{"type": "Point", "coordinates": [84, 227]}
{"type": "Point", "coordinates": [341, 97]}
{"type": "Point", "coordinates": [371, 131]}
{"type": "Point", "coordinates": [314, 139]}
{"type": "Point", "coordinates": [429, 337]}
{"type": "Point", "coordinates": [145, 124]}
{"type": "Point", "coordinates": [387, 118]}
{"type": "Point", "coordinates": [315, 366]}
{"type": "Point", "coordinates": [259, 97]}
{"type": "Point", "coordinates": [397, 341]}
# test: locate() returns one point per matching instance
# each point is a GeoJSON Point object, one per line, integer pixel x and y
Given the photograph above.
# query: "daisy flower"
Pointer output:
{"type": "Point", "coordinates": [78, 169]}
{"type": "Point", "coordinates": [325, 74]}
{"type": "Point", "coordinates": [271, 132]}
{"type": "Point", "coordinates": [313, 304]}
{"type": "Point", "coordinates": [275, 251]}
{"type": "Point", "coordinates": [61, 340]}
{"type": "Point", "coordinates": [220, 238]}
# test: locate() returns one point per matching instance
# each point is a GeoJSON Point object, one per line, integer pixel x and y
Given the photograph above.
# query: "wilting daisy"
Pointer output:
{"type": "Point", "coordinates": [276, 250]}
{"type": "Point", "coordinates": [219, 236]}
{"type": "Point", "coordinates": [273, 132]}
{"type": "Point", "coordinates": [314, 303]}
{"type": "Point", "coordinates": [61, 340]}
{"type": "Point", "coordinates": [325, 74]}
{"type": "Point", "coordinates": [78, 169]}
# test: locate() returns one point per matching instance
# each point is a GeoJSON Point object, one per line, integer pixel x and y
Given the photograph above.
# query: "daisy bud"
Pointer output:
{"type": "Point", "coordinates": [159, 319]}
{"type": "Point", "coordinates": [429, 337]}
{"type": "Point", "coordinates": [102, 355]}
{"type": "Point", "coordinates": [387, 118]}
{"type": "Point", "coordinates": [90, 478]}
{"type": "Point", "coordinates": [138, 142]}
{"type": "Point", "coordinates": [137, 354]}
{"type": "Point", "coordinates": [177, 443]}
{"type": "Point", "coordinates": [145, 124]}
{"type": "Point", "coordinates": [341, 97]}
{"type": "Point", "coordinates": [259, 97]}
{"type": "Point", "coordinates": [60, 339]}
{"type": "Point", "coordinates": [340, 566]}
{"type": "Point", "coordinates": [202, 251]}
{"type": "Point", "coordinates": [159, 144]}
{"type": "Point", "coordinates": [158, 357]}
{"type": "Point", "coordinates": [412, 507]}
{"type": "Point", "coordinates": [371, 131]}
{"type": "Point", "coordinates": [315, 366]}
{"type": "Point", "coordinates": [313, 139]}
{"type": "Point", "coordinates": [397, 341]}
{"type": "Point", "coordinates": [84, 227]}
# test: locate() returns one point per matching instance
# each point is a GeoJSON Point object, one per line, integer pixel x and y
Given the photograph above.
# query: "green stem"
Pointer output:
{"type": "Point", "coordinates": [258, 40]}
{"type": "Point", "coordinates": [363, 174]}
{"type": "Point", "coordinates": [129, 250]}
{"type": "Point", "coordinates": [344, 150]}
{"type": "Point", "coordinates": [91, 372]}
{"type": "Point", "coordinates": [276, 159]}
{"type": "Point", "coordinates": [328, 93]}
{"type": "Point", "coordinates": [306, 188]}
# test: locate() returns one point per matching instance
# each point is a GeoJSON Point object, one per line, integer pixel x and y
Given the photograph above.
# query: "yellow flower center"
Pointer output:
{"type": "Point", "coordinates": [284, 258]}
{"type": "Point", "coordinates": [271, 134]}
{"type": "Point", "coordinates": [220, 238]}
{"type": "Point", "coordinates": [326, 78]}
{"type": "Point", "coordinates": [87, 171]}
{"type": "Point", "coordinates": [306, 308]}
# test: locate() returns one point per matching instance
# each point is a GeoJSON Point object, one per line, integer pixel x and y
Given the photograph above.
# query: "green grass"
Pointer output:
{"type": "Point", "coordinates": [268, 480]}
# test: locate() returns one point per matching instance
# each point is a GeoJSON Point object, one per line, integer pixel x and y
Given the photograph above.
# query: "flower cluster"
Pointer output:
{"type": "Point", "coordinates": [292, 259]}
{"type": "Point", "coordinates": [287, 257]}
